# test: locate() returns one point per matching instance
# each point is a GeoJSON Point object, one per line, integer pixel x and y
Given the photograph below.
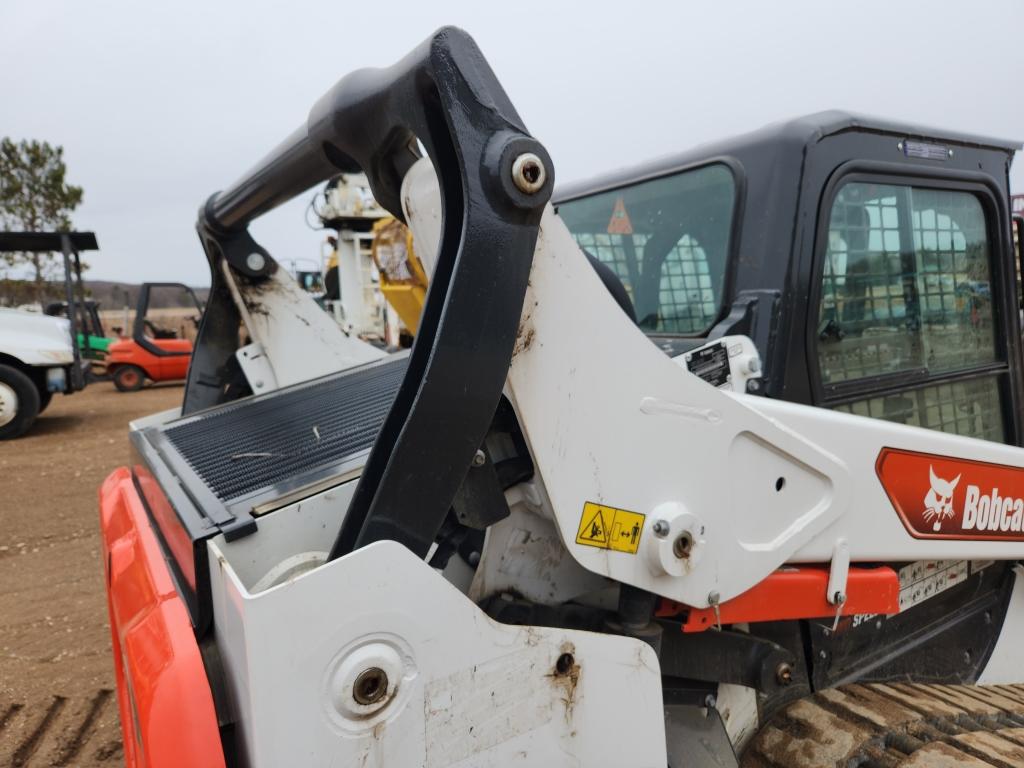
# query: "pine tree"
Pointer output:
{"type": "Point", "coordinates": [35, 197]}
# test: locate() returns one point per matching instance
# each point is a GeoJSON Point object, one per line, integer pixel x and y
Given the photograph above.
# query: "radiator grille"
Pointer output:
{"type": "Point", "coordinates": [256, 443]}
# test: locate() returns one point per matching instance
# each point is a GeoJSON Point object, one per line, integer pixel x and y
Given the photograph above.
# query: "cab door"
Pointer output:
{"type": "Point", "coordinates": [909, 317]}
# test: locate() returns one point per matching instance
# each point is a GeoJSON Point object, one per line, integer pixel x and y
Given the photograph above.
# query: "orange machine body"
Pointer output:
{"type": "Point", "coordinates": [797, 593]}
{"type": "Point", "coordinates": [165, 702]}
{"type": "Point", "coordinates": [156, 367]}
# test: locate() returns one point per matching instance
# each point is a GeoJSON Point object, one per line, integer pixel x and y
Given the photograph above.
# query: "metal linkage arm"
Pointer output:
{"type": "Point", "coordinates": [495, 180]}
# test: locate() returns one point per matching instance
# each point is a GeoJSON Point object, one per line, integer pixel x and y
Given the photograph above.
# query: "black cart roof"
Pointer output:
{"type": "Point", "coordinates": [42, 242]}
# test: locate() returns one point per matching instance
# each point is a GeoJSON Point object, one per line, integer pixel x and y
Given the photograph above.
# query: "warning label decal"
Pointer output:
{"type": "Point", "coordinates": [610, 528]}
{"type": "Point", "coordinates": [619, 224]}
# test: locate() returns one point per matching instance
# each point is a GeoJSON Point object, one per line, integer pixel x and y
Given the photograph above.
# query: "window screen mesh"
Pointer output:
{"type": "Point", "coordinates": [970, 408]}
{"type": "Point", "coordinates": [906, 289]}
{"type": "Point", "coordinates": [667, 240]}
{"type": "Point", "coordinates": [906, 283]}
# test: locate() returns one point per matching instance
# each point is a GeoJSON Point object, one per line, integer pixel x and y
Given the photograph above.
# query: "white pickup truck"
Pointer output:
{"type": "Point", "coordinates": [36, 359]}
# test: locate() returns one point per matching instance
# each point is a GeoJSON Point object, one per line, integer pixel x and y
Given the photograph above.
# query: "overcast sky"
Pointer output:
{"type": "Point", "coordinates": [160, 104]}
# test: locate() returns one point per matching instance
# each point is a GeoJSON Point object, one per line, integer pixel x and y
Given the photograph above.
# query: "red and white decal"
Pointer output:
{"type": "Point", "coordinates": [938, 497]}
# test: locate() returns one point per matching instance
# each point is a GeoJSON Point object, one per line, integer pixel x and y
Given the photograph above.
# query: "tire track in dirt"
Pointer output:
{"type": "Point", "coordinates": [30, 745]}
{"type": "Point", "coordinates": [57, 731]}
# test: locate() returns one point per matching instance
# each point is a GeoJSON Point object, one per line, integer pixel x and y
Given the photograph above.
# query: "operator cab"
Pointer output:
{"type": "Point", "coordinates": [870, 262]}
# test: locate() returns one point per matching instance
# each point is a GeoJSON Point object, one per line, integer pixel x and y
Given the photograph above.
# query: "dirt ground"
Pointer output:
{"type": "Point", "coordinates": [57, 700]}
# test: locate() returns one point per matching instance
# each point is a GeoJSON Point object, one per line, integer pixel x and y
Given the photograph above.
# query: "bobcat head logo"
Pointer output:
{"type": "Point", "coordinates": [938, 502]}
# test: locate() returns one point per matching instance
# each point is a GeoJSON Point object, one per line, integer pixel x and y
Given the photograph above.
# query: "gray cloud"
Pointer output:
{"type": "Point", "coordinates": [158, 105]}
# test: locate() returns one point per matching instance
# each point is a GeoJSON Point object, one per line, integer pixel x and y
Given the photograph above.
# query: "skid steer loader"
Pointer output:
{"type": "Point", "coordinates": [718, 462]}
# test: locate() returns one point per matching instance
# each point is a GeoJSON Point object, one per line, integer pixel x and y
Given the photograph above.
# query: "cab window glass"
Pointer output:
{"type": "Point", "coordinates": [172, 313]}
{"type": "Point", "coordinates": [960, 407]}
{"type": "Point", "coordinates": [906, 289]}
{"type": "Point", "coordinates": [906, 283]}
{"type": "Point", "coordinates": [667, 240]}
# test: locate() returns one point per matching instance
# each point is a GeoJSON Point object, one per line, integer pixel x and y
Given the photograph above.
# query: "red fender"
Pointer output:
{"type": "Point", "coordinates": [166, 706]}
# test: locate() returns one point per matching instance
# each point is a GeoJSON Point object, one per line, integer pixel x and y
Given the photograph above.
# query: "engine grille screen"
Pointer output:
{"type": "Point", "coordinates": [257, 443]}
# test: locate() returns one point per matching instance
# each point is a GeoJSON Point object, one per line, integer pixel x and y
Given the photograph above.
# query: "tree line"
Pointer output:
{"type": "Point", "coordinates": [35, 196]}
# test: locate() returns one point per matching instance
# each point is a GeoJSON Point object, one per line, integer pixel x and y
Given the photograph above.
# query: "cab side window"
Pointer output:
{"type": "Point", "coordinates": [906, 325]}
{"type": "Point", "coordinates": [667, 239]}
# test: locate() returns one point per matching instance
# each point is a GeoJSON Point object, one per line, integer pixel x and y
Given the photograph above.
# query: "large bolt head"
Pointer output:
{"type": "Point", "coordinates": [366, 680]}
{"type": "Point", "coordinates": [256, 261]}
{"type": "Point", "coordinates": [529, 173]}
{"type": "Point", "coordinates": [371, 686]}
{"type": "Point", "coordinates": [677, 545]}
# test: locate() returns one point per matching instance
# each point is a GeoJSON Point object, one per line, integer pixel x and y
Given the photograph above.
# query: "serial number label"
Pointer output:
{"type": "Point", "coordinates": [710, 364]}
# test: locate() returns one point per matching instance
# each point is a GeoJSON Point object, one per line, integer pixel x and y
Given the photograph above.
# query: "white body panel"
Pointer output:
{"type": "Point", "coordinates": [362, 303]}
{"type": "Point", "coordinates": [154, 419]}
{"type": "Point", "coordinates": [35, 339]}
{"type": "Point", "coordinates": [588, 441]}
{"type": "Point", "coordinates": [611, 420]}
{"type": "Point", "coordinates": [298, 340]}
{"type": "Point", "coordinates": [421, 203]}
{"type": "Point", "coordinates": [257, 368]}
{"type": "Point", "coordinates": [1004, 665]}
{"type": "Point", "coordinates": [874, 531]}
{"type": "Point", "coordinates": [738, 707]}
{"type": "Point", "coordinates": [470, 692]}
{"type": "Point", "coordinates": [755, 482]}
{"type": "Point", "coordinates": [524, 555]}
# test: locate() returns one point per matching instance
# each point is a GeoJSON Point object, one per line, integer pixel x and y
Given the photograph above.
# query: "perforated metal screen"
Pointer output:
{"type": "Point", "coordinates": [267, 440]}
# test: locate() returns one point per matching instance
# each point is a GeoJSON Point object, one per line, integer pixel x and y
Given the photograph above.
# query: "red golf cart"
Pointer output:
{"type": "Point", "coordinates": [155, 351]}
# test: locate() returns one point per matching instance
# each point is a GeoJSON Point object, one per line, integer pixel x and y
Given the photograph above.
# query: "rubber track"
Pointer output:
{"type": "Point", "coordinates": [896, 725]}
{"type": "Point", "coordinates": [59, 731]}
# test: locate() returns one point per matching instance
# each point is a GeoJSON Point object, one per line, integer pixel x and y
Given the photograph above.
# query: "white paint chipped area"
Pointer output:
{"type": "Point", "coordinates": [487, 705]}
{"type": "Point", "coordinates": [470, 692]}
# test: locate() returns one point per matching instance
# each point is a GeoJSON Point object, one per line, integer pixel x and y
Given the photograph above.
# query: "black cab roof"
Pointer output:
{"type": "Point", "coordinates": [803, 131]}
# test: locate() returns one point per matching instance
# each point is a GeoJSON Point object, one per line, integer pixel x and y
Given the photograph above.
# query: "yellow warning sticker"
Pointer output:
{"type": "Point", "coordinates": [610, 528]}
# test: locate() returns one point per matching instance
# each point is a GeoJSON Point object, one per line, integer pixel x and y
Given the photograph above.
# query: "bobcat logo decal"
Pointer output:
{"type": "Point", "coordinates": [938, 502]}
{"type": "Point", "coordinates": [989, 503]}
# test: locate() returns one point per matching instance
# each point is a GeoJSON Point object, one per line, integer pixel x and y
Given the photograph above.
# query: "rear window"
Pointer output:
{"type": "Point", "coordinates": [667, 239]}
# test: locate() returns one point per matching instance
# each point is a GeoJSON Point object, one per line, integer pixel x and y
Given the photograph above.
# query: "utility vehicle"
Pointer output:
{"type": "Point", "coordinates": [718, 460]}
